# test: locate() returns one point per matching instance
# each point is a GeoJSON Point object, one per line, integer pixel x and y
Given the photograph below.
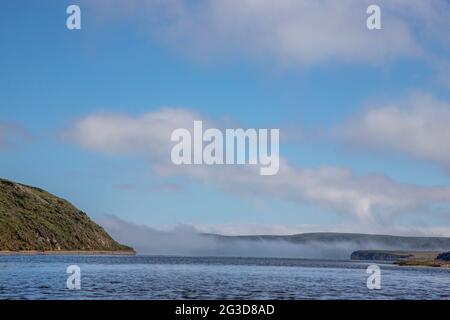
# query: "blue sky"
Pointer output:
{"type": "Point", "coordinates": [137, 58]}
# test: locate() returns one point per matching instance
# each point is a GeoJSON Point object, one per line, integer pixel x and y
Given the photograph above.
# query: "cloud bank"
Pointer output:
{"type": "Point", "coordinates": [289, 32]}
{"type": "Point", "coordinates": [189, 241]}
{"type": "Point", "coordinates": [368, 198]}
{"type": "Point", "coordinates": [418, 127]}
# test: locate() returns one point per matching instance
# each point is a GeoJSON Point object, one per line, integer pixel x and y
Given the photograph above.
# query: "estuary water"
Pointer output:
{"type": "Point", "coordinates": [163, 277]}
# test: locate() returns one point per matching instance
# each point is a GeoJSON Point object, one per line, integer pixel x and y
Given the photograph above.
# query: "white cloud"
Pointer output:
{"type": "Point", "coordinates": [337, 189]}
{"type": "Point", "coordinates": [292, 32]}
{"type": "Point", "coordinates": [117, 133]}
{"type": "Point", "coordinates": [419, 126]}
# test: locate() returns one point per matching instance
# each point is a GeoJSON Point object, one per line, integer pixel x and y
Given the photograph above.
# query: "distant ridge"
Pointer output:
{"type": "Point", "coordinates": [358, 240]}
{"type": "Point", "coordinates": [31, 219]}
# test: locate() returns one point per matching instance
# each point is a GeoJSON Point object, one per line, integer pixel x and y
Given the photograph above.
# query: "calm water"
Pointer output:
{"type": "Point", "coordinates": [155, 277]}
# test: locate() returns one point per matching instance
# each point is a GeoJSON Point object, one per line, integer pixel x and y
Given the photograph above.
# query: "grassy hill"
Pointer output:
{"type": "Point", "coordinates": [33, 219]}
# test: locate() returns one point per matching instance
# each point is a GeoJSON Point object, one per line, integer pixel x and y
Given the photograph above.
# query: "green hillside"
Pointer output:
{"type": "Point", "coordinates": [33, 219]}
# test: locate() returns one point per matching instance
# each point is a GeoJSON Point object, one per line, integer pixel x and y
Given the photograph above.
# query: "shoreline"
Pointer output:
{"type": "Point", "coordinates": [67, 252]}
{"type": "Point", "coordinates": [423, 263]}
{"type": "Point", "coordinates": [402, 258]}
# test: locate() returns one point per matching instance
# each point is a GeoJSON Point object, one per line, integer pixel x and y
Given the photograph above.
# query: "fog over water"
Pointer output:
{"type": "Point", "coordinates": [188, 241]}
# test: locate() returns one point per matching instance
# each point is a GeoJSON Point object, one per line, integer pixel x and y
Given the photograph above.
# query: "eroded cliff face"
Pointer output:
{"type": "Point", "coordinates": [444, 256]}
{"type": "Point", "coordinates": [33, 219]}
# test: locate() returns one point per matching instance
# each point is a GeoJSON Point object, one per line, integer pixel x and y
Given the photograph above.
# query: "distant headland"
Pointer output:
{"type": "Point", "coordinates": [405, 258]}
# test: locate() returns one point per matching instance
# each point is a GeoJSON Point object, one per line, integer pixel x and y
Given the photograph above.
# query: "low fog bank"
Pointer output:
{"type": "Point", "coordinates": [187, 241]}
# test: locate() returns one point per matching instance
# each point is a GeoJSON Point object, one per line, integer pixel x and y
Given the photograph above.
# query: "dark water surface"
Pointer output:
{"type": "Point", "coordinates": [157, 277]}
